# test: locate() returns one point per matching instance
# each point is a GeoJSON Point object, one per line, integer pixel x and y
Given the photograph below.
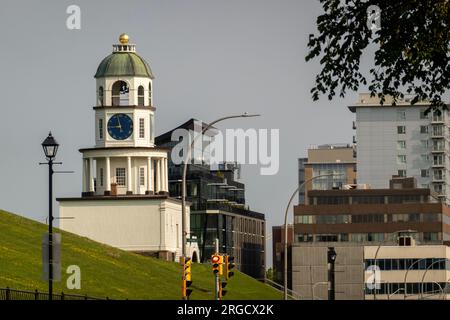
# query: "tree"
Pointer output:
{"type": "Point", "coordinates": [412, 48]}
{"type": "Point", "coordinates": [269, 274]}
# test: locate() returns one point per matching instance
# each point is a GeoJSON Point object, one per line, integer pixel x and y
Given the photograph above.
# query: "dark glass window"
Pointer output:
{"type": "Point", "coordinates": [368, 199]}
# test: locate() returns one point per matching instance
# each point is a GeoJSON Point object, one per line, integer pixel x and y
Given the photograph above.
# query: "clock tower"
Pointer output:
{"type": "Point", "coordinates": [124, 160]}
{"type": "Point", "coordinates": [125, 202]}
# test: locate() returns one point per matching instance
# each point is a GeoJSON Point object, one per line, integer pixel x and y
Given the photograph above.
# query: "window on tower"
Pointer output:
{"type": "Point", "coordinates": [141, 176]}
{"type": "Point", "coordinates": [141, 96]}
{"type": "Point", "coordinates": [100, 96]}
{"type": "Point", "coordinates": [101, 177]}
{"type": "Point", "coordinates": [120, 177]}
{"type": "Point", "coordinates": [141, 128]}
{"type": "Point", "coordinates": [120, 94]}
{"type": "Point", "coordinates": [100, 129]}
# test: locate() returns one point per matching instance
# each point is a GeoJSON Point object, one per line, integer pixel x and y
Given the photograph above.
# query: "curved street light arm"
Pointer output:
{"type": "Point", "coordinates": [376, 255]}
{"type": "Point", "coordinates": [185, 164]}
{"type": "Point", "coordinates": [406, 274]}
{"type": "Point", "coordinates": [286, 227]}
{"type": "Point", "coordinates": [425, 273]}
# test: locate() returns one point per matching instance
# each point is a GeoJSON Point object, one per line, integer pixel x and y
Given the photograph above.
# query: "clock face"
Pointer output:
{"type": "Point", "coordinates": [120, 126]}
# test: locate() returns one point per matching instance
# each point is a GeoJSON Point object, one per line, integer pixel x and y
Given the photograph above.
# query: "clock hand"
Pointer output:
{"type": "Point", "coordinates": [118, 121]}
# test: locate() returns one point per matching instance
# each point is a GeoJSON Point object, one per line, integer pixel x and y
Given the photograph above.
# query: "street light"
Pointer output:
{"type": "Point", "coordinates": [331, 257]}
{"type": "Point", "coordinates": [425, 273]}
{"type": "Point", "coordinates": [50, 147]}
{"type": "Point", "coordinates": [183, 182]}
{"type": "Point", "coordinates": [376, 255]}
{"type": "Point", "coordinates": [286, 227]}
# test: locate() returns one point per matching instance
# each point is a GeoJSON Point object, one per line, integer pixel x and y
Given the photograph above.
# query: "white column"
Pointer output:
{"type": "Point", "coordinates": [91, 175]}
{"type": "Point", "coordinates": [149, 174]}
{"type": "Point", "coordinates": [107, 174]}
{"type": "Point", "coordinates": [163, 174]}
{"type": "Point", "coordinates": [83, 176]}
{"type": "Point", "coordinates": [129, 185]}
{"type": "Point", "coordinates": [158, 176]}
{"type": "Point", "coordinates": [166, 175]}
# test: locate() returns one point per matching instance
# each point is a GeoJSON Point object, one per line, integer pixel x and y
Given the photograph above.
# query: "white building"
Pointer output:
{"type": "Point", "coordinates": [401, 140]}
{"type": "Point", "coordinates": [407, 272]}
{"type": "Point", "coordinates": [363, 271]}
{"type": "Point", "coordinates": [124, 201]}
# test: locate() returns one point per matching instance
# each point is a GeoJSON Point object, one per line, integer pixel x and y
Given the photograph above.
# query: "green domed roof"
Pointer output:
{"type": "Point", "coordinates": [123, 64]}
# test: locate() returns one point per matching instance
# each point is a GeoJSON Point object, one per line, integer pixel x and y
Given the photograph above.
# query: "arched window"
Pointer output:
{"type": "Point", "coordinates": [195, 257]}
{"type": "Point", "coordinates": [140, 96]}
{"type": "Point", "coordinates": [120, 94]}
{"type": "Point", "coordinates": [100, 96]}
{"type": "Point", "coordinates": [150, 93]}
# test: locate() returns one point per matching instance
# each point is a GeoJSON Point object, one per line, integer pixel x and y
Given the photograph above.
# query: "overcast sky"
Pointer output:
{"type": "Point", "coordinates": [210, 58]}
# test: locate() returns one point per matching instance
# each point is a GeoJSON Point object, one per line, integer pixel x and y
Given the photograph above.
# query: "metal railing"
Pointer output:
{"type": "Point", "coordinates": [222, 206]}
{"type": "Point", "coordinates": [12, 294]}
{"type": "Point", "coordinates": [291, 294]}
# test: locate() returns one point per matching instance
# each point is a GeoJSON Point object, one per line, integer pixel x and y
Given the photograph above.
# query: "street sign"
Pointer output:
{"type": "Point", "coordinates": [56, 252]}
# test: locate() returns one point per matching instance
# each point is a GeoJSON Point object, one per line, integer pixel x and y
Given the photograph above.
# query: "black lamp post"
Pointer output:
{"type": "Point", "coordinates": [50, 147]}
{"type": "Point", "coordinates": [331, 255]}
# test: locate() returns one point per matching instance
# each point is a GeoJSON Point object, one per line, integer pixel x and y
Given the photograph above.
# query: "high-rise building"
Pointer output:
{"type": "Point", "coordinates": [338, 159]}
{"type": "Point", "coordinates": [402, 140]}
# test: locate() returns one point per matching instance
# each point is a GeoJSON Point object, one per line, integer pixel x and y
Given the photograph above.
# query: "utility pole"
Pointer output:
{"type": "Point", "coordinates": [50, 230]}
{"type": "Point", "coordinates": [217, 275]}
{"type": "Point", "coordinates": [331, 256]}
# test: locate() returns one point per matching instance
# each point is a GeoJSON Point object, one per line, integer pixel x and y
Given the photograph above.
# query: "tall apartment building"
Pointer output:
{"type": "Point", "coordinates": [338, 159]}
{"type": "Point", "coordinates": [402, 140]}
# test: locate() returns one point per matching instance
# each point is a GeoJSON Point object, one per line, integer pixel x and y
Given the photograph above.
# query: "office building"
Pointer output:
{"type": "Point", "coordinates": [372, 215]}
{"type": "Point", "coordinates": [338, 159]}
{"type": "Point", "coordinates": [278, 253]}
{"type": "Point", "coordinates": [401, 270]}
{"type": "Point", "coordinates": [219, 210]}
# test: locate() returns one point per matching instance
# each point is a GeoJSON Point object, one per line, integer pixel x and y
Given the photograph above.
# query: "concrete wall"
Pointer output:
{"type": "Point", "coordinates": [339, 155]}
{"type": "Point", "coordinates": [310, 270]}
{"type": "Point", "coordinates": [132, 225]}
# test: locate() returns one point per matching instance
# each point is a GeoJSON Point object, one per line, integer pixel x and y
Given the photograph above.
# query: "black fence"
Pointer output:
{"type": "Point", "coordinates": [11, 294]}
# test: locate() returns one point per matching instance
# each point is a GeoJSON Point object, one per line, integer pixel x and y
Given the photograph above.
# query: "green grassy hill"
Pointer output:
{"type": "Point", "coordinates": [106, 271]}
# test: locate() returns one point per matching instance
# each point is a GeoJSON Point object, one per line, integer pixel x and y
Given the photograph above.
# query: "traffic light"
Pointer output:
{"type": "Point", "coordinates": [187, 269]}
{"type": "Point", "coordinates": [222, 292]}
{"type": "Point", "coordinates": [187, 278]}
{"type": "Point", "coordinates": [331, 255]}
{"type": "Point", "coordinates": [217, 261]}
{"type": "Point", "coordinates": [229, 265]}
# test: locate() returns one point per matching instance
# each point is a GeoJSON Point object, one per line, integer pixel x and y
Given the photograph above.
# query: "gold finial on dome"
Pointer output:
{"type": "Point", "coordinates": [123, 38]}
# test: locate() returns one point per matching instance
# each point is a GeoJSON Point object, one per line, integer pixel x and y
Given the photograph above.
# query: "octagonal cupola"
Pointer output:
{"type": "Point", "coordinates": [124, 78]}
{"type": "Point", "coordinates": [124, 112]}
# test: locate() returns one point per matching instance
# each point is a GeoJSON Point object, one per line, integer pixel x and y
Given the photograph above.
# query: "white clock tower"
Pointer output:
{"type": "Point", "coordinates": [125, 201]}
{"type": "Point", "coordinates": [124, 160]}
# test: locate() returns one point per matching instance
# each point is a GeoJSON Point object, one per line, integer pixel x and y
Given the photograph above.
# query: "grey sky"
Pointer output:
{"type": "Point", "coordinates": [210, 58]}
